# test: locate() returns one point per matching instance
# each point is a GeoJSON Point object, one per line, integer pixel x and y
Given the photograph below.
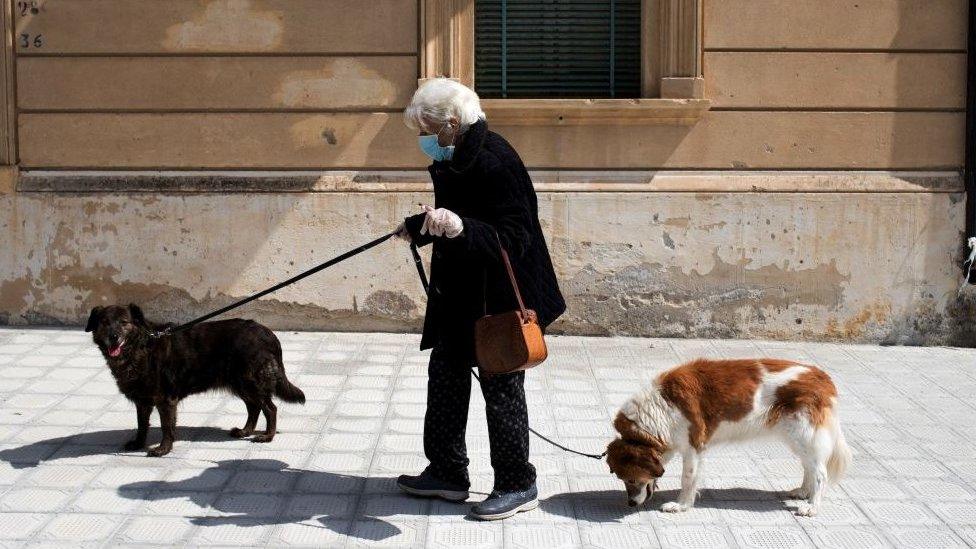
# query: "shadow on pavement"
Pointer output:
{"type": "Point", "coordinates": [611, 505]}
{"type": "Point", "coordinates": [98, 443]}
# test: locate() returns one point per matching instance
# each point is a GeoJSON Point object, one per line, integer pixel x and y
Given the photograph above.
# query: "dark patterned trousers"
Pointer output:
{"type": "Point", "coordinates": [448, 395]}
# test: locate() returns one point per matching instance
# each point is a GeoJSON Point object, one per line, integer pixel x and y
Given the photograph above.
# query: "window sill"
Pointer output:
{"type": "Point", "coordinates": [594, 112]}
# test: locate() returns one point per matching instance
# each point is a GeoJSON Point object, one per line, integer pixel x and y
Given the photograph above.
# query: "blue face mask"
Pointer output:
{"type": "Point", "coordinates": [433, 149]}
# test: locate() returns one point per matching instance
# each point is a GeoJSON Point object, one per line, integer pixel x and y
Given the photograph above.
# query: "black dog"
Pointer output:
{"type": "Point", "coordinates": [241, 356]}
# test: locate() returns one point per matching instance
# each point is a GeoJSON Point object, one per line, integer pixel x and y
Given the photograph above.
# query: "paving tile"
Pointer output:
{"type": "Point", "coordinates": [466, 535]}
{"type": "Point", "coordinates": [251, 506]}
{"type": "Point", "coordinates": [917, 468]}
{"type": "Point", "coordinates": [60, 476]}
{"type": "Point", "coordinates": [127, 477]}
{"type": "Point", "coordinates": [939, 490]}
{"type": "Point", "coordinates": [873, 488]}
{"type": "Point", "coordinates": [756, 512]}
{"type": "Point", "coordinates": [155, 530]}
{"type": "Point", "coordinates": [967, 534]}
{"type": "Point", "coordinates": [771, 537]}
{"type": "Point", "coordinates": [236, 532]}
{"type": "Point", "coordinates": [955, 513]}
{"type": "Point", "coordinates": [900, 513]}
{"type": "Point", "coordinates": [535, 535]}
{"type": "Point", "coordinates": [340, 463]}
{"type": "Point", "coordinates": [695, 537]}
{"type": "Point", "coordinates": [41, 500]}
{"type": "Point", "coordinates": [261, 481]}
{"type": "Point", "coordinates": [347, 442]}
{"type": "Point", "coordinates": [834, 537]}
{"type": "Point", "coordinates": [107, 501]}
{"type": "Point", "coordinates": [328, 483]}
{"type": "Point", "coordinates": [393, 506]}
{"type": "Point", "coordinates": [21, 525]}
{"type": "Point", "coordinates": [325, 506]}
{"type": "Point", "coordinates": [373, 532]}
{"type": "Point", "coordinates": [72, 528]}
{"type": "Point", "coordinates": [311, 533]}
{"type": "Point", "coordinates": [611, 536]}
{"type": "Point", "coordinates": [925, 538]}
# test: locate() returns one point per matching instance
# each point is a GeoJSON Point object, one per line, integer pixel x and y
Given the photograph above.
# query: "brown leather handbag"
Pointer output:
{"type": "Point", "coordinates": [512, 341]}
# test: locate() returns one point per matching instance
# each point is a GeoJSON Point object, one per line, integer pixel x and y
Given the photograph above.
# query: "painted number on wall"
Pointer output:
{"type": "Point", "coordinates": [28, 8]}
{"type": "Point", "coordinates": [31, 40]}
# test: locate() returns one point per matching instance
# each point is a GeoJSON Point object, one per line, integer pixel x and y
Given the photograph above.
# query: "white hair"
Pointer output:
{"type": "Point", "coordinates": [440, 99]}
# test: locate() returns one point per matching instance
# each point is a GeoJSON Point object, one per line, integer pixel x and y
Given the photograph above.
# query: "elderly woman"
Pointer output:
{"type": "Point", "coordinates": [483, 199]}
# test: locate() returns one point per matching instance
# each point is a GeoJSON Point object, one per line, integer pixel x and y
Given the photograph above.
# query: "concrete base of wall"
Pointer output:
{"type": "Point", "coordinates": [849, 266]}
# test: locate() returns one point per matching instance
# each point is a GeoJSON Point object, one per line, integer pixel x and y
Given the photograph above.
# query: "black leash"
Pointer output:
{"type": "Point", "coordinates": [290, 281]}
{"type": "Point", "coordinates": [423, 280]}
{"type": "Point", "coordinates": [338, 259]}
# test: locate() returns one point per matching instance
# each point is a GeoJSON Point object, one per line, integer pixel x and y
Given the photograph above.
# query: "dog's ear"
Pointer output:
{"type": "Point", "coordinates": [93, 318]}
{"type": "Point", "coordinates": [631, 460]}
{"type": "Point", "coordinates": [619, 457]}
{"type": "Point", "coordinates": [653, 465]}
{"type": "Point", "coordinates": [136, 313]}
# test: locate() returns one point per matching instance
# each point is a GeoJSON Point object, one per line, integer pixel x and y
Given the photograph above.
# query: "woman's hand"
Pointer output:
{"type": "Point", "coordinates": [441, 222]}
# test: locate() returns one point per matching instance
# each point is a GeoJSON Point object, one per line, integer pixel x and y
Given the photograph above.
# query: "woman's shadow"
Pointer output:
{"type": "Point", "coordinates": [244, 509]}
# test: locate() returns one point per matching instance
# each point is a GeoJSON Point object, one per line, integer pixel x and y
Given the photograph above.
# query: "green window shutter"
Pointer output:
{"type": "Point", "coordinates": [557, 48]}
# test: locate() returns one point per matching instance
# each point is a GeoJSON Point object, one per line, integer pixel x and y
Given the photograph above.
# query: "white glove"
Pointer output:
{"type": "Point", "coordinates": [441, 222]}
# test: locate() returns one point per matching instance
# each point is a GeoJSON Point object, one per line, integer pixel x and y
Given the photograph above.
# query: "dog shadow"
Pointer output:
{"type": "Point", "coordinates": [610, 506]}
{"type": "Point", "coordinates": [108, 442]}
{"type": "Point", "coordinates": [318, 505]}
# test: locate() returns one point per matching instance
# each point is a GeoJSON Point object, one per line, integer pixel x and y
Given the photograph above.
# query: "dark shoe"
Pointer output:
{"type": "Point", "coordinates": [427, 486]}
{"type": "Point", "coordinates": [501, 505]}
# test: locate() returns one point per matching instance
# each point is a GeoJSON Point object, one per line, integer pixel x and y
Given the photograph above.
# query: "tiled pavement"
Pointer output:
{"type": "Point", "coordinates": [327, 479]}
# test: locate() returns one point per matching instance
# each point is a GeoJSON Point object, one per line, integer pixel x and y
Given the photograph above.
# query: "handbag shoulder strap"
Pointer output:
{"type": "Point", "coordinates": [511, 276]}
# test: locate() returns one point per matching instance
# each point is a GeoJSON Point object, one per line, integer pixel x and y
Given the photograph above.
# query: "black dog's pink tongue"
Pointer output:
{"type": "Point", "coordinates": [115, 351]}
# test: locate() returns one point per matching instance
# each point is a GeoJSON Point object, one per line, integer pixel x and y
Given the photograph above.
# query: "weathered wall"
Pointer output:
{"type": "Point", "coordinates": [855, 267]}
{"type": "Point", "coordinates": [840, 86]}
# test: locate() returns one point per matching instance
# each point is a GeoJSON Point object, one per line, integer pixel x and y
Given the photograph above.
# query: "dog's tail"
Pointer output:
{"type": "Point", "coordinates": [840, 457]}
{"type": "Point", "coordinates": [286, 391]}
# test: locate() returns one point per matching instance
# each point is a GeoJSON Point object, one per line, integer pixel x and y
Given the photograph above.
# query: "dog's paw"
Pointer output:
{"type": "Point", "coordinates": [262, 438]}
{"type": "Point", "coordinates": [798, 493]}
{"type": "Point", "coordinates": [237, 432]}
{"type": "Point", "coordinates": [158, 451]}
{"type": "Point", "coordinates": [806, 510]}
{"type": "Point", "coordinates": [673, 507]}
{"type": "Point", "coordinates": [134, 445]}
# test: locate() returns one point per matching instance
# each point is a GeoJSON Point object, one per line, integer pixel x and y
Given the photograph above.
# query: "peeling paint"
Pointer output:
{"type": "Point", "coordinates": [227, 25]}
{"type": "Point", "coordinates": [854, 327]}
{"type": "Point", "coordinates": [347, 82]}
{"type": "Point", "coordinates": [667, 240]}
{"type": "Point", "coordinates": [681, 222]}
{"type": "Point", "coordinates": [389, 304]}
{"type": "Point", "coordinates": [14, 294]}
{"type": "Point", "coordinates": [652, 298]}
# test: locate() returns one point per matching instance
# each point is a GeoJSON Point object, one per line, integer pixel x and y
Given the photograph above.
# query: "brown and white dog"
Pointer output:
{"type": "Point", "coordinates": [697, 405]}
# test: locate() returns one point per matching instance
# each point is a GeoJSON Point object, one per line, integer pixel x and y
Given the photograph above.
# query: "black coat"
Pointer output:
{"type": "Point", "coordinates": [487, 185]}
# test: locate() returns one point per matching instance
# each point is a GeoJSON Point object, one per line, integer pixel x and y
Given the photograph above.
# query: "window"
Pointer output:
{"type": "Point", "coordinates": [551, 61]}
{"type": "Point", "coordinates": [558, 48]}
